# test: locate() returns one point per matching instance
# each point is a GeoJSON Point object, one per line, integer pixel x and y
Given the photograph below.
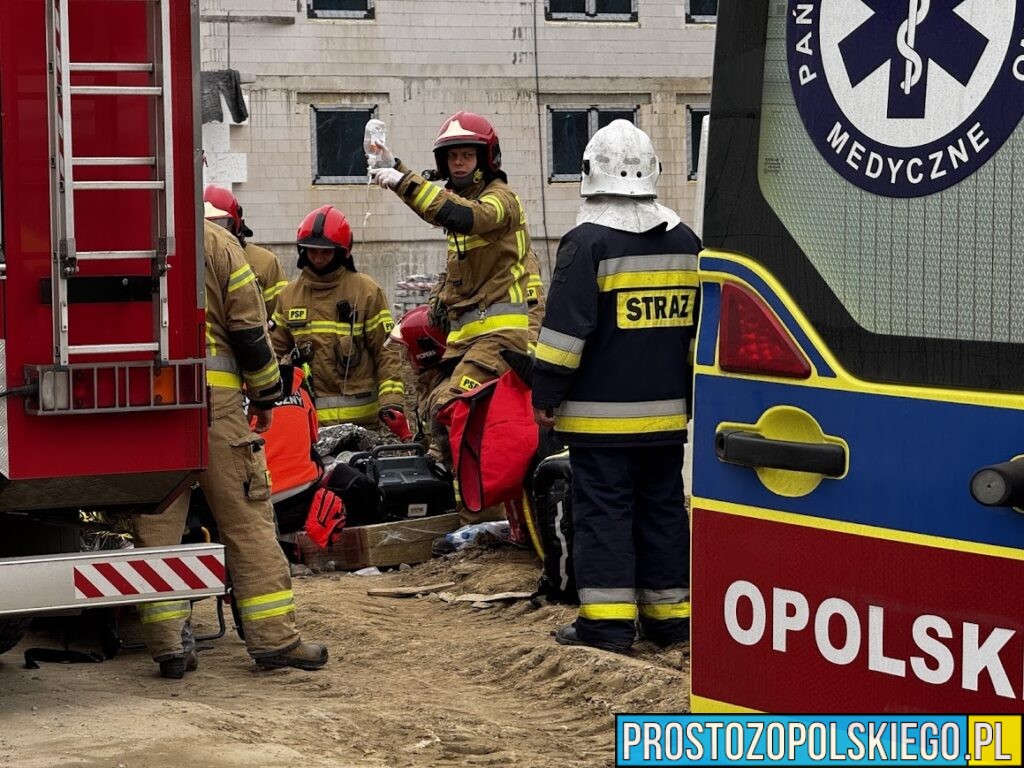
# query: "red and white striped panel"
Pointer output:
{"type": "Point", "coordinates": [153, 576]}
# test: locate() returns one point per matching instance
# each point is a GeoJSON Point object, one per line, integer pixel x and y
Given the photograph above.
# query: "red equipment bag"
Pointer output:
{"type": "Point", "coordinates": [493, 439]}
{"type": "Point", "coordinates": [326, 518]}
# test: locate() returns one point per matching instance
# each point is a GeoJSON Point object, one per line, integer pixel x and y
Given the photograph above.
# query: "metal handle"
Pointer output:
{"type": "Point", "coordinates": [1000, 485]}
{"type": "Point", "coordinates": [749, 449]}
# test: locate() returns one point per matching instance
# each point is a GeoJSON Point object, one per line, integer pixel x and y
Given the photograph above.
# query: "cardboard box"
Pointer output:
{"type": "Point", "coordinates": [401, 541]}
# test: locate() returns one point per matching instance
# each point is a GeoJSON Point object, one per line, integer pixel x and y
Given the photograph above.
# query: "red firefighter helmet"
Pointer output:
{"type": "Point", "coordinates": [424, 343]}
{"type": "Point", "coordinates": [326, 227]}
{"type": "Point", "coordinates": [219, 203]}
{"type": "Point", "coordinates": [468, 129]}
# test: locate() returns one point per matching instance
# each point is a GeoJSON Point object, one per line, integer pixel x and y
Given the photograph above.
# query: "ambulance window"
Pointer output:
{"type": "Point", "coordinates": [339, 9]}
{"type": "Point", "coordinates": [337, 144]}
{"type": "Point", "coordinates": [904, 257]}
{"type": "Point", "coordinates": [570, 128]}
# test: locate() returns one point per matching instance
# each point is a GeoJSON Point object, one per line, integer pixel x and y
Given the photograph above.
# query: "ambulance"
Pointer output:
{"type": "Point", "coordinates": [858, 480]}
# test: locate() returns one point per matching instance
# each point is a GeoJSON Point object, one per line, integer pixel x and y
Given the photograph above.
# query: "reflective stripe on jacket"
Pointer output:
{"type": "Point", "coordinates": [238, 350]}
{"type": "Point", "coordinates": [344, 316]}
{"type": "Point", "coordinates": [488, 245]}
{"type": "Point", "coordinates": [613, 355]}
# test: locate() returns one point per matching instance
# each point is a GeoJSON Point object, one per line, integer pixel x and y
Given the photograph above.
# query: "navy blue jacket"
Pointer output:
{"type": "Point", "coordinates": [614, 354]}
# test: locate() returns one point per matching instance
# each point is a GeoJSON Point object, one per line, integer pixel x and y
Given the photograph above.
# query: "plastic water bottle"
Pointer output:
{"type": "Point", "coordinates": [374, 137]}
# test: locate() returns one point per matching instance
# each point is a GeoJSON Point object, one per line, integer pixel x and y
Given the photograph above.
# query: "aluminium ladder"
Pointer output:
{"type": "Point", "coordinates": [65, 256]}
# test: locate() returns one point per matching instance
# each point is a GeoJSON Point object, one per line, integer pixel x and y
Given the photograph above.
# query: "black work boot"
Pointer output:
{"type": "Point", "coordinates": [567, 636]}
{"type": "Point", "coordinates": [307, 656]}
{"type": "Point", "coordinates": [174, 666]}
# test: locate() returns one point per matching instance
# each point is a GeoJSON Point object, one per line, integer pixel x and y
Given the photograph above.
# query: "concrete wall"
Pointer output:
{"type": "Point", "coordinates": [418, 61]}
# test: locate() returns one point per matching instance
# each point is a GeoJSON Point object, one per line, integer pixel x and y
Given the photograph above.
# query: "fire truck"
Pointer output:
{"type": "Point", "coordinates": [102, 327]}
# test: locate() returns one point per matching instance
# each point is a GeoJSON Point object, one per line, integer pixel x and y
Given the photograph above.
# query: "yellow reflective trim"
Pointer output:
{"type": "Point", "coordinates": [534, 281]}
{"type": "Point", "coordinates": [556, 356]}
{"type": "Point", "coordinates": [211, 342]}
{"type": "Point", "coordinates": [665, 611]}
{"type": "Point", "coordinates": [463, 243]}
{"type": "Point", "coordinates": [272, 597]}
{"type": "Point", "coordinates": [269, 613]}
{"type": "Point", "coordinates": [672, 278]}
{"type": "Point", "coordinates": [328, 327]}
{"type": "Point", "coordinates": [426, 196]}
{"type": "Point", "coordinates": [348, 413]}
{"type": "Point", "coordinates": [223, 379]}
{"type": "Point", "coordinates": [240, 277]}
{"type": "Point", "coordinates": [154, 613]}
{"type": "Point", "coordinates": [608, 611]}
{"type": "Point", "coordinates": [272, 291]}
{"type": "Point", "coordinates": [384, 316]}
{"type": "Point", "coordinates": [389, 386]}
{"type": "Point", "coordinates": [496, 204]}
{"type": "Point", "coordinates": [266, 375]}
{"type": "Point", "coordinates": [489, 325]}
{"type": "Point", "coordinates": [597, 425]}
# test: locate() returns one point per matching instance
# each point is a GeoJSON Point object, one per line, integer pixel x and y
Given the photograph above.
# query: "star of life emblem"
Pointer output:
{"type": "Point", "coordinates": [905, 98]}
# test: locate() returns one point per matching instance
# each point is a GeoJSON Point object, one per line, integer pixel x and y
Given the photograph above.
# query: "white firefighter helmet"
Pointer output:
{"type": "Point", "coordinates": [619, 160]}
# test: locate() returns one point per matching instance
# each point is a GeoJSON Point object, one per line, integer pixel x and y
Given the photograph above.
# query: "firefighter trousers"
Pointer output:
{"type": "Point", "coordinates": [631, 544]}
{"type": "Point", "coordinates": [481, 363]}
{"type": "Point", "coordinates": [237, 487]}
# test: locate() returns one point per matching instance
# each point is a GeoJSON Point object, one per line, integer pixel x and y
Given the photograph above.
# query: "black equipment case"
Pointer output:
{"type": "Point", "coordinates": [412, 484]}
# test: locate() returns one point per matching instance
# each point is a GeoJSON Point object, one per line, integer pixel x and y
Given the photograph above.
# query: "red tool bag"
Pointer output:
{"type": "Point", "coordinates": [493, 439]}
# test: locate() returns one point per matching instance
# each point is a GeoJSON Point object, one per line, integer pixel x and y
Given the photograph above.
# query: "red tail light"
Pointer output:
{"type": "Point", "coordinates": [752, 340]}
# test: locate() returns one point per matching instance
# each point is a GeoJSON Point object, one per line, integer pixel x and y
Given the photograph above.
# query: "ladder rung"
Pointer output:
{"type": "Point", "coordinates": [111, 255]}
{"type": "Point", "coordinates": [86, 186]}
{"type": "Point", "coordinates": [116, 90]}
{"type": "Point", "coordinates": [111, 349]}
{"type": "Point", "coordinates": [114, 160]}
{"type": "Point", "coordinates": [110, 66]}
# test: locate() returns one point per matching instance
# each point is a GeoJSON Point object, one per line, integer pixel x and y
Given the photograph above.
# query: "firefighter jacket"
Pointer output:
{"type": "Point", "coordinates": [613, 357]}
{"type": "Point", "coordinates": [238, 350]}
{"type": "Point", "coordinates": [269, 274]}
{"type": "Point", "coordinates": [344, 318]}
{"type": "Point", "coordinates": [488, 243]}
{"type": "Point", "coordinates": [290, 440]}
{"type": "Point", "coordinates": [534, 300]}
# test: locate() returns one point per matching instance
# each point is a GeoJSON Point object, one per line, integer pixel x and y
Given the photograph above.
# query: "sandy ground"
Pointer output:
{"type": "Point", "coordinates": [411, 682]}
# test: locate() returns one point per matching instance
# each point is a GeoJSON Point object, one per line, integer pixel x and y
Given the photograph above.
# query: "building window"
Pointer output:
{"type": "Point", "coordinates": [339, 9]}
{"type": "Point", "coordinates": [701, 11]}
{"type": "Point", "coordinates": [694, 127]}
{"type": "Point", "coordinates": [570, 128]}
{"type": "Point", "coordinates": [590, 10]}
{"type": "Point", "coordinates": [337, 141]}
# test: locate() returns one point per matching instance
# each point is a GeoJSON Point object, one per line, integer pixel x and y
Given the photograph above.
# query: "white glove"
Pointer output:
{"type": "Point", "coordinates": [386, 178]}
{"type": "Point", "coordinates": [384, 158]}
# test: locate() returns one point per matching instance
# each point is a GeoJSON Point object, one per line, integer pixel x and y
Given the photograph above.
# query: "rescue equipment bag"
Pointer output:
{"type": "Point", "coordinates": [493, 440]}
{"type": "Point", "coordinates": [360, 494]}
{"type": "Point", "coordinates": [411, 484]}
{"type": "Point", "coordinates": [552, 487]}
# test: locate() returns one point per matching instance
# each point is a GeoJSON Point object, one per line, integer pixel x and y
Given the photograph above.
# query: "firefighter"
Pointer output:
{"type": "Point", "coordinates": [481, 305]}
{"type": "Point", "coordinates": [613, 374]}
{"type": "Point", "coordinates": [222, 208]}
{"type": "Point", "coordinates": [424, 345]}
{"type": "Point", "coordinates": [534, 300]}
{"type": "Point", "coordinates": [342, 318]}
{"type": "Point", "coordinates": [237, 484]}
